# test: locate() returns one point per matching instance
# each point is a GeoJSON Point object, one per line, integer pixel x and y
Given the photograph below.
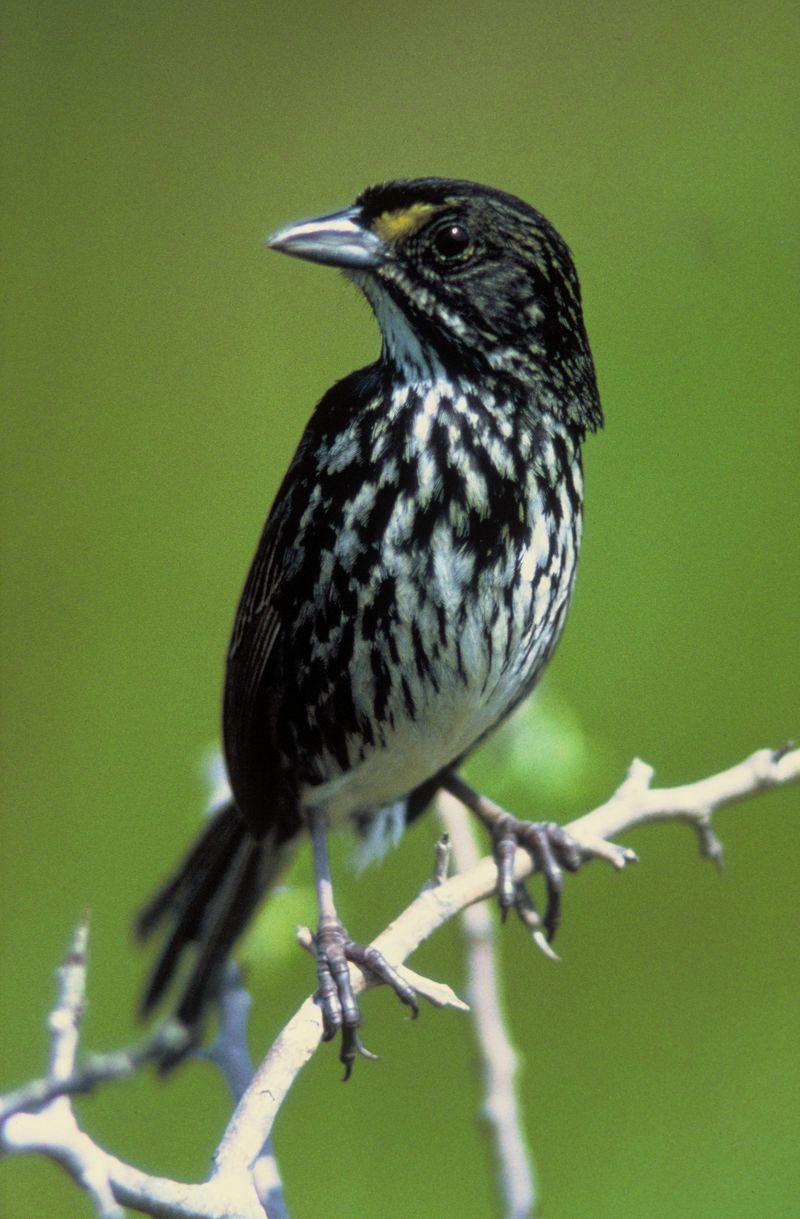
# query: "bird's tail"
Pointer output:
{"type": "Point", "coordinates": [206, 905]}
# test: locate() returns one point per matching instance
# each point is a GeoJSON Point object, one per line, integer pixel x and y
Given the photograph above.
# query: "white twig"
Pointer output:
{"type": "Point", "coordinates": [498, 1056]}
{"type": "Point", "coordinates": [633, 804]}
{"type": "Point", "coordinates": [40, 1118]}
{"type": "Point", "coordinates": [230, 1190]}
{"type": "Point", "coordinates": [54, 1130]}
{"type": "Point", "coordinates": [230, 1052]}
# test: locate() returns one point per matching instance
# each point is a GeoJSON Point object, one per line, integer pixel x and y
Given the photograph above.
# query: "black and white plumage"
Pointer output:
{"type": "Point", "coordinates": [415, 570]}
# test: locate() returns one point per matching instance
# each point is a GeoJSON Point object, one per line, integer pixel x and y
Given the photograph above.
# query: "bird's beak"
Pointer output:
{"type": "Point", "coordinates": [339, 240]}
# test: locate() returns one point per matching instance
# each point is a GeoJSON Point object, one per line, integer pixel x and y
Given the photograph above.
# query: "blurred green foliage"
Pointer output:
{"type": "Point", "coordinates": [158, 369]}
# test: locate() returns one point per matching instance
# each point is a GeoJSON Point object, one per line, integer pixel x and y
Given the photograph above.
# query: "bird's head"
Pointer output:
{"type": "Point", "coordinates": [467, 283]}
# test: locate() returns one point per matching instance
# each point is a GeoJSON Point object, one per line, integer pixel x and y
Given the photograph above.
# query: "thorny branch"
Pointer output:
{"type": "Point", "coordinates": [40, 1117]}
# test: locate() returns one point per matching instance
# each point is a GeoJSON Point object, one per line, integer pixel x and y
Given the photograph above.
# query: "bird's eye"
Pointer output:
{"type": "Point", "coordinates": [452, 241]}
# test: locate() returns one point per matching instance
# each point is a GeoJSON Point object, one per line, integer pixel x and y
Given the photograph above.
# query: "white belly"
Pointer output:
{"type": "Point", "coordinates": [479, 675]}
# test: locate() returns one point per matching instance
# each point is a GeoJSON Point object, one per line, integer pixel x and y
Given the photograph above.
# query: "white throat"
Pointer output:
{"type": "Point", "coordinates": [402, 345]}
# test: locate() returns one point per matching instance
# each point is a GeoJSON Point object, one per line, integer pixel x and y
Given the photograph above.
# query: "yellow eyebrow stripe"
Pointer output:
{"type": "Point", "coordinates": [398, 225]}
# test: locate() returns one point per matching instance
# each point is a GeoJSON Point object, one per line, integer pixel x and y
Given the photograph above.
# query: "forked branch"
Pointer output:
{"type": "Point", "coordinates": [40, 1117]}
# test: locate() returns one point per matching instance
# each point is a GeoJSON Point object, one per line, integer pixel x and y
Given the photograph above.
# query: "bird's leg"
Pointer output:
{"type": "Point", "coordinates": [334, 951]}
{"type": "Point", "coordinates": [549, 845]}
{"type": "Point", "coordinates": [335, 993]}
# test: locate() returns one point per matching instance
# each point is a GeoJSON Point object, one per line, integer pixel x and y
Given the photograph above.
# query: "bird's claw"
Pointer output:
{"type": "Point", "coordinates": [335, 951]}
{"type": "Point", "coordinates": [553, 851]}
{"type": "Point", "coordinates": [528, 913]}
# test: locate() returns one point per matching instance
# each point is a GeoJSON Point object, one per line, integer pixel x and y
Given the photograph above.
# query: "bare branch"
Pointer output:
{"type": "Point", "coordinates": [636, 803]}
{"type": "Point", "coordinates": [170, 1038]}
{"type": "Point", "coordinates": [498, 1057]}
{"type": "Point", "coordinates": [632, 804]}
{"type": "Point", "coordinates": [230, 1191]}
{"type": "Point", "coordinates": [230, 1052]}
{"type": "Point", "coordinates": [54, 1131]}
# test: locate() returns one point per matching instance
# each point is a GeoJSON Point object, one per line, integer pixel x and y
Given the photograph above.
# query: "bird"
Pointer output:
{"type": "Point", "coordinates": [411, 581]}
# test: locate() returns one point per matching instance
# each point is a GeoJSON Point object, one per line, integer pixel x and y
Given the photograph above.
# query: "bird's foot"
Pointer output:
{"type": "Point", "coordinates": [335, 951]}
{"type": "Point", "coordinates": [553, 851]}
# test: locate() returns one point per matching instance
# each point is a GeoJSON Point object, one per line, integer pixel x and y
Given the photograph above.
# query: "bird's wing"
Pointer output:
{"type": "Point", "coordinates": [266, 648]}
{"type": "Point", "coordinates": [256, 665]}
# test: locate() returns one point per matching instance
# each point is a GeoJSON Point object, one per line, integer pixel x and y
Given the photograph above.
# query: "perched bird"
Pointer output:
{"type": "Point", "coordinates": [412, 577]}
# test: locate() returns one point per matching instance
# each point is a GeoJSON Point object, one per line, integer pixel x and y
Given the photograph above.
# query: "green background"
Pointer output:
{"type": "Point", "coordinates": [159, 366]}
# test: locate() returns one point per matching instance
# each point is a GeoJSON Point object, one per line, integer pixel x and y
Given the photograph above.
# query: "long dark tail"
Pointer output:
{"type": "Point", "coordinates": [207, 904]}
